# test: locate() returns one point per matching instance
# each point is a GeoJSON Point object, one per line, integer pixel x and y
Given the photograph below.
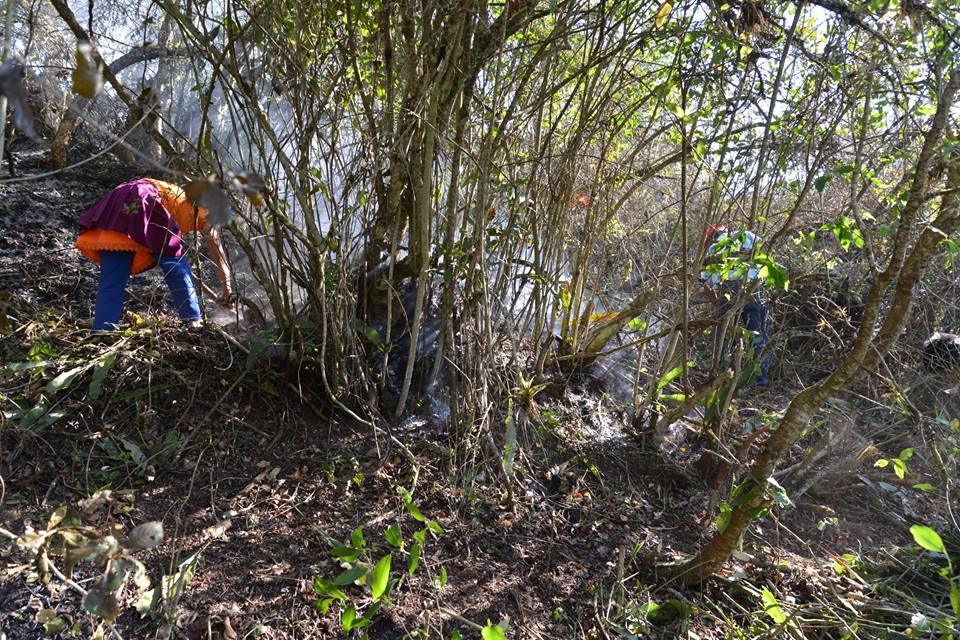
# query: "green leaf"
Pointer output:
{"type": "Point", "coordinates": [347, 554]}
{"type": "Point", "coordinates": [369, 615]}
{"type": "Point", "coordinates": [780, 497]}
{"type": "Point", "coordinates": [356, 538]}
{"type": "Point", "coordinates": [924, 486]}
{"type": "Point", "coordinates": [776, 276]}
{"type": "Point", "coordinates": [673, 397]}
{"type": "Point", "coordinates": [843, 169]}
{"type": "Point", "coordinates": [347, 618]}
{"type": "Point", "coordinates": [434, 527]}
{"type": "Point", "coordinates": [37, 419]}
{"type": "Point", "coordinates": [772, 607]}
{"type": "Point", "coordinates": [117, 575]}
{"type": "Point", "coordinates": [381, 574]}
{"type": "Point", "coordinates": [510, 440]}
{"type": "Point", "coordinates": [821, 182]}
{"type": "Point", "coordinates": [415, 512]}
{"type": "Point", "coordinates": [147, 602]}
{"type": "Point", "coordinates": [52, 623]}
{"type": "Point", "coordinates": [16, 367]}
{"type": "Point", "coordinates": [899, 467]}
{"type": "Point", "coordinates": [136, 454]}
{"type": "Point", "coordinates": [492, 632]}
{"type": "Point", "coordinates": [393, 536]}
{"type": "Point", "coordinates": [723, 519]}
{"type": "Point", "coordinates": [140, 577]}
{"type": "Point", "coordinates": [927, 538]}
{"type": "Point", "coordinates": [100, 372]}
{"type": "Point", "coordinates": [324, 588]}
{"type": "Point", "coordinates": [955, 599]}
{"type": "Point", "coordinates": [881, 463]}
{"type": "Point", "coordinates": [407, 498]}
{"type": "Point", "coordinates": [350, 576]}
{"type": "Point", "coordinates": [323, 605]}
{"type": "Point", "coordinates": [672, 375]}
{"type": "Point", "coordinates": [906, 454]}
{"type": "Point", "coordinates": [414, 560]}
{"type": "Point", "coordinates": [758, 512]}
{"type": "Point", "coordinates": [65, 379]}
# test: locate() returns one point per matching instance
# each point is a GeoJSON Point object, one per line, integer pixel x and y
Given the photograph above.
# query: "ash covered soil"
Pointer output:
{"type": "Point", "coordinates": [187, 434]}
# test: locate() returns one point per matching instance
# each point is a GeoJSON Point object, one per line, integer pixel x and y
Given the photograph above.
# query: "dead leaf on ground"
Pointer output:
{"type": "Point", "coordinates": [218, 530]}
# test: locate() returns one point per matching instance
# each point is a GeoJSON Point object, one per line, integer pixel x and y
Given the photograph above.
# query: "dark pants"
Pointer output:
{"type": "Point", "coordinates": [115, 269]}
{"type": "Point", "coordinates": [753, 317]}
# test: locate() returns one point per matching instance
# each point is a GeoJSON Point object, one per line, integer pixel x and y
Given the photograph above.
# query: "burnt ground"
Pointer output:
{"type": "Point", "coordinates": [186, 433]}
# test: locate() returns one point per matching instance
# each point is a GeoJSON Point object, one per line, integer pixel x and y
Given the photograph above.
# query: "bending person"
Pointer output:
{"type": "Point", "coordinates": [726, 285]}
{"type": "Point", "coordinates": [137, 226]}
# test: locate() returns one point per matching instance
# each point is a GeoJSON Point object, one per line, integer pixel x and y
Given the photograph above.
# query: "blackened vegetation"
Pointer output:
{"type": "Point", "coordinates": [394, 347]}
{"type": "Point", "coordinates": [820, 315]}
{"type": "Point", "coordinates": [941, 353]}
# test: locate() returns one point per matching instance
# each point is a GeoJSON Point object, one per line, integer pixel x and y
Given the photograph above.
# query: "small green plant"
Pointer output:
{"type": "Point", "coordinates": [70, 535]}
{"type": "Point", "coordinates": [162, 602]}
{"type": "Point", "coordinates": [38, 411]}
{"type": "Point", "coordinates": [367, 566]}
{"type": "Point", "coordinates": [898, 464]}
{"type": "Point", "coordinates": [495, 631]}
{"type": "Point", "coordinates": [65, 535]}
{"type": "Point", "coordinates": [931, 541]}
{"type": "Point", "coordinates": [640, 614]}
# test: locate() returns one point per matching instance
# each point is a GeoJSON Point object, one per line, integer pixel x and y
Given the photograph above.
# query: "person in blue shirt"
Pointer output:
{"type": "Point", "coordinates": [726, 282]}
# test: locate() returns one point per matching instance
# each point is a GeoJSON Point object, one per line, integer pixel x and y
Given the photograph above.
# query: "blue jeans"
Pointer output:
{"type": "Point", "coordinates": [115, 272]}
{"type": "Point", "coordinates": [753, 317]}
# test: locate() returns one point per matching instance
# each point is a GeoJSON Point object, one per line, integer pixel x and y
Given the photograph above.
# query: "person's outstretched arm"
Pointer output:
{"type": "Point", "coordinates": [219, 257]}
